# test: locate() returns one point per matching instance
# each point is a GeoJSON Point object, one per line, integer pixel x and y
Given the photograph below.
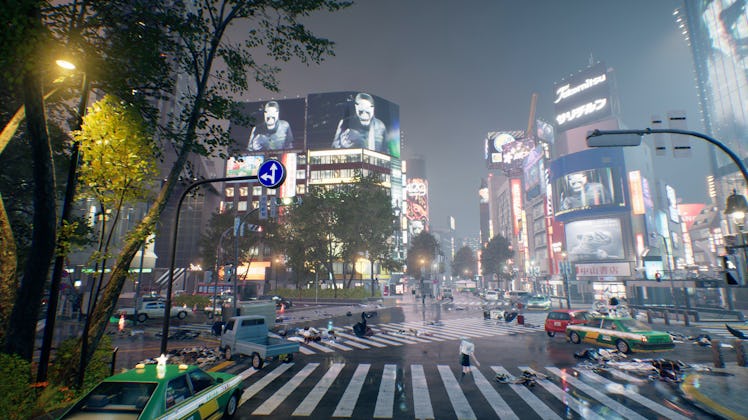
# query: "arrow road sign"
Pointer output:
{"type": "Point", "coordinates": [271, 174]}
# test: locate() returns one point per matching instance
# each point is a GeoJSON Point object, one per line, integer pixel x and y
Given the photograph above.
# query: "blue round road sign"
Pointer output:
{"type": "Point", "coordinates": [271, 174]}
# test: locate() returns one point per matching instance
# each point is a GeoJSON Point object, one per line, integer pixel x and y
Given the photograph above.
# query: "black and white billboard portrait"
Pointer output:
{"type": "Point", "coordinates": [585, 189]}
{"type": "Point", "coordinates": [268, 125]}
{"type": "Point", "coordinates": [594, 240]}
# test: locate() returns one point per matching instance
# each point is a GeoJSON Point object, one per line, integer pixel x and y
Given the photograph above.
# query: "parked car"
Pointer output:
{"type": "Point", "coordinates": [279, 301]}
{"type": "Point", "coordinates": [539, 302]}
{"type": "Point", "coordinates": [558, 319]}
{"type": "Point", "coordinates": [151, 391]}
{"type": "Point", "coordinates": [517, 296]}
{"type": "Point", "coordinates": [492, 295]}
{"type": "Point", "coordinates": [624, 334]}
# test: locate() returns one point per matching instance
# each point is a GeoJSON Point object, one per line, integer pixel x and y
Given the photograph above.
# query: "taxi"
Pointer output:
{"type": "Point", "coordinates": [161, 392]}
{"type": "Point", "coordinates": [624, 334]}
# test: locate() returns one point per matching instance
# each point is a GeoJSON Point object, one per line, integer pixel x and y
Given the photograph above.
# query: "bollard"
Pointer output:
{"type": "Point", "coordinates": [114, 360]}
{"type": "Point", "coordinates": [649, 316]}
{"type": "Point", "coordinates": [737, 344]}
{"type": "Point", "coordinates": [666, 315]}
{"type": "Point", "coordinates": [686, 322]}
{"type": "Point", "coordinates": [719, 362]}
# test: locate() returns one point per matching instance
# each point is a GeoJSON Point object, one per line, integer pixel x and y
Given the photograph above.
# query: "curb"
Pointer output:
{"type": "Point", "coordinates": [691, 390]}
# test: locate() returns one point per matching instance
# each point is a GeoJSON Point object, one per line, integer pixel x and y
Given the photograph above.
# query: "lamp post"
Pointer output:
{"type": "Point", "coordinates": [736, 209]}
{"type": "Point", "coordinates": [423, 270]}
{"type": "Point", "coordinates": [566, 268]}
{"type": "Point", "coordinates": [67, 204]}
{"type": "Point", "coordinates": [173, 251]}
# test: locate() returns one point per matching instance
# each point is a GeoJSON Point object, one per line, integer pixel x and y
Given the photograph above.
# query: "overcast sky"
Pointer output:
{"type": "Point", "coordinates": [459, 69]}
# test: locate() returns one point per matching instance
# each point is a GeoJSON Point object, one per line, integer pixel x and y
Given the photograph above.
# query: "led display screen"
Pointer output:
{"type": "Point", "coordinates": [243, 165]}
{"type": "Point", "coordinates": [585, 189]}
{"type": "Point", "coordinates": [268, 125]}
{"type": "Point", "coordinates": [353, 120]}
{"type": "Point", "coordinates": [417, 211]}
{"type": "Point", "coordinates": [594, 240]}
{"type": "Point", "coordinates": [582, 98]}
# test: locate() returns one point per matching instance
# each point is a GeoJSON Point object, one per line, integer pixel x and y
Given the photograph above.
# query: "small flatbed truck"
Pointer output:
{"type": "Point", "coordinates": [247, 335]}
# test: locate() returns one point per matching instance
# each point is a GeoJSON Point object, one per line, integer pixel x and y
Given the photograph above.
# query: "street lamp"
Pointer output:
{"type": "Point", "coordinates": [566, 268]}
{"type": "Point", "coordinates": [736, 209]}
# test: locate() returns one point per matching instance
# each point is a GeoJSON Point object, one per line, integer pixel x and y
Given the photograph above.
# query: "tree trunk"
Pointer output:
{"type": "Point", "coordinates": [22, 327]}
{"type": "Point", "coordinates": [8, 273]}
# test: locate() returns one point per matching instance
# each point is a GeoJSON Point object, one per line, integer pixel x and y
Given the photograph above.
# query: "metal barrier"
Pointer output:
{"type": "Point", "coordinates": [695, 314]}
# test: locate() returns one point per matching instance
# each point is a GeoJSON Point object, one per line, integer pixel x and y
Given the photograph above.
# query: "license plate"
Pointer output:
{"type": "Point", "coordinates": [557, 324]}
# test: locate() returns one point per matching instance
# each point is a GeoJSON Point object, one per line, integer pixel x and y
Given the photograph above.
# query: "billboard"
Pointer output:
{"type": "Point", "coordinates": [594, 240]}
{"type": "Point", "coordinates": [243, 165]}
{"type": "Point", "coordinates": [533, 171]}
{"type": "Point", "coordinates": [352, 120]}
{"type": "Point", "coordinates": [582, 98]}
{"type": "Point", "coordinates": [506, 150]}
{"type": "Point", "coordinates": [417, 200]}
{"type": "Point", "coordinates": [588, 181]}
{"type": "Point", "coordinates": [268, 125]}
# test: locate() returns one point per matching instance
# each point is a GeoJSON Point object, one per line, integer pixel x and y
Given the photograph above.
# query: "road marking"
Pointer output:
{"type": "Point", "coordinates": [263, 382]}
{"type": "Point", "coordinates": [456, 396]}
{"type": "Point", "coordinates": [313, 398]}
{"type": "Point", "coordinates": [500, 407]}
{"type": "Point", "coordinates": [305, 350]}
{"type": "Point", "coordinates": [319, 347]}
{"type": "Point", "coordinates": [421, 399]}
{"type": "Point", "coordinates": [612, 387]}
{"type": "Point", "coordinates": [338, 346]}
{"type": "Point", "coordinates": [276, 399]}
{"type": "Point", "coordinates": [534, 402]}
{"type": "Point", "coordinates": [592, 392]}
{"type": "Point", "coordinates": [359, 340]}
{"type": "Point", "coordinates": [386, 396]}
{"type": "Point", "coordinates": [223, 365]}
{"type": "Point", "coordinates": [352, 391]}
{"type": "Point", "coordinates": [566, 399]}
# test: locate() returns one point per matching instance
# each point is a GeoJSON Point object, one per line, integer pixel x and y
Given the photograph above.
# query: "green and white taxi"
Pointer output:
{"type": "Point", "coordinates": [161, 392]}
{"type": "Point", "coordinates": [624, 334]}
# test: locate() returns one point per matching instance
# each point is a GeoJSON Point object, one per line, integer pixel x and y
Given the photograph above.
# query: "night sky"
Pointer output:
{"type": "Point", "coordinates": [459, 69]}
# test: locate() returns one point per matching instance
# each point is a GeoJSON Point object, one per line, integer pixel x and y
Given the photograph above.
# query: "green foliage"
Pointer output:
{"type": "Point", "coordinates": [495, 255]}
{"type": "Point", "coordinates": [422, 252]}
{"type": "Point", "coordinates": [18, 396]}
{"type": "Point", "coordinates": [191, 301]}
{"type": "Point", "coordinates": [327, 293]}
{"type": "Point", "coordinates": [97, 368]}
{"type": "Point", "coordinates": [464, 263]}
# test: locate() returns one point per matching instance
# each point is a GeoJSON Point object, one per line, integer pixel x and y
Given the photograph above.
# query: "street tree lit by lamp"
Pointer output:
{"type": "Point", "coordinates": [65, 64]}
{"type": "Point", "coordinates": [736, 208]}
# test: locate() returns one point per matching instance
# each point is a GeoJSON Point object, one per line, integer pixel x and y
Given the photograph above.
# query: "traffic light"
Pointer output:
{"type": "Point", "coordinates": [658, 277]}
{"type": "Point", "coordinates": [733, 272]}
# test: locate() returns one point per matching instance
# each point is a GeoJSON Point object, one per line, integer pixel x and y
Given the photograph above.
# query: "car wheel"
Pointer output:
{"type": "Point", "coordinates": [227, 353]}
{"type": "Point", "coordinates": [142, 317]}
{"type": "Point", "coordinates": [231, 406]}
{"type": "Point", "coordinates": [256, 361]}
{"type": "Point", "coordinates": [622, 347]}
{"type": "Point", "coordinates": [550, 333]}
{"type": "Point", "coordinates": [182, 315]}
{"type": "Point", "coordinates": [574, 337]}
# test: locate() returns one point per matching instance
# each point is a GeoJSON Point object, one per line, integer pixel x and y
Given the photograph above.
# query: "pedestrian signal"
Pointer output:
{"type": "Point", "coordinates": [733, 271]}
{"type": "Point", "coordinates": [658, 276]}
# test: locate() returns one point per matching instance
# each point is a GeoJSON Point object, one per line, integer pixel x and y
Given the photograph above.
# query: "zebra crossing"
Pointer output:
{"type": "Point", "coordinates": [422, 391]}
{"type": "Point", "coordinates": [416, 332]}
{"type": "Point", "coordinates": [719, 331]}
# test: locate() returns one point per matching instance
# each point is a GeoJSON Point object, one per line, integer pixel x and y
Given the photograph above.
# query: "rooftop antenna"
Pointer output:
{"type": "Point", "coordinates": [592, 60]}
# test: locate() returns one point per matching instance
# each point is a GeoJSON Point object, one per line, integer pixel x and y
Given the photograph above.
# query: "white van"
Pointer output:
{"type": "Point", "coordinates": [492, 295]}
{"type": "Point", "coordinates": [517, 295]}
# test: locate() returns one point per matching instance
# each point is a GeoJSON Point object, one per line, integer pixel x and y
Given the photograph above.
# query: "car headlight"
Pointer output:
{"type": "Point", "coordinates": [644, 339]}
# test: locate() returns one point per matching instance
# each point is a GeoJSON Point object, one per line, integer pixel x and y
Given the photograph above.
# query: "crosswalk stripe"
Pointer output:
{"type": "Point", "coordinates": [306, 351]}
{"type": "Point", "coordinates": [566, 398]}
{"type": "Point", "coordinates": [263, 382]}
{"type": "Point", "coordinates": [276, 399]}
{"type": "Point", "coordinates": [456, 396]}
{"type": "Point", "coordinates": [348, 401]}
{"type": "Point", "coordinates": [386, 396]}
{"type": "Point", "coordinates": [460, 331]}
{"type": "Point", "coordinates": [338, 346]}
{"type": "Point", "coordinates": [353, 338]}
{"type": "Point", "coordinates": [421, 399]}
{"type": "Point", "coordinates": [247, 373]}
{"type": "Point", "coordinates": [355, 343]}
{"type": "Point", "coordinates": [626, 377]}
{"type": "Point", "coordinates": [319, 347]}
{"type": "Point", "coordinates": [500, 407]}
{"type": "Point", "coordinates": [379, 339]}
{"type": "Point", "coordinates": [393, 331]}
{"type": "Point", "coordinates": [313, 398]}
{"type": "Point", "coordinates": [531, 399]}
{"type": "Point", "coordinates": [612, 387]}
{"type": "Point", "coordinates": [432, 332]}
{"type": "Point", "coordinates": [609, 402]}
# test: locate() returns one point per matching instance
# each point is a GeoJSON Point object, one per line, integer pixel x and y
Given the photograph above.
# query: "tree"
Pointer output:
{"type": "Point", "coordinates": [495, 255]}
{"type": "Point", "coordinates": [464, 263]}
{"type": "Point", "coordinates": [213, 69]}
{"type": "Point", "coordinates": [424, 250]}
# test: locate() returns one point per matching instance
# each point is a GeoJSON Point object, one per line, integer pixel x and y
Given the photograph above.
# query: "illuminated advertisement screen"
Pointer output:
{"type": "Point", "coordinates": [586, 181]}
{"type": "Point", "coordinates": [689, 212]}
{"type": "Point", "coordinates": [594, 240]}
{"type": "Point", "coordinates": [582, 98]}
{"type": "Point", "coordinates": [268, 125]}
{"type": "Point", "coordinates": [353, 120]}
{"type": "Point", "coordinates": [417, 199]}
{"type": "Point", "coordinates": [516, 191]}
{"type": "Point", "coordinates": [243, 165]}
{"type": "Point", "coordinates": [718, 32]}
{"type": "Point", "coordinates": [533, 170]}
{"type": "Point", "coordinates": [503, 148]}
{"type": "Point", "coordinates": [288, 188]}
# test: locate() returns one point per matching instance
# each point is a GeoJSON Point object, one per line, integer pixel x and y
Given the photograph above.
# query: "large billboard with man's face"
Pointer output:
{"type": "Point", "coordinates": [353, 120]}
{"type": "Point", "coordinates": [267, 126]}
{"type": "Point", "coordinates": [594, 240]}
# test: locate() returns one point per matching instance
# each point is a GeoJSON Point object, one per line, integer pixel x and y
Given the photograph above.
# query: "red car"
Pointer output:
{"type": "Point", "coordinates": [558, 319]}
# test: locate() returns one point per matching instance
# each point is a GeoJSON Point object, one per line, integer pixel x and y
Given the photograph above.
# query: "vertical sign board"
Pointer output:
{"type": "Point", "coordinates": [681, 144]}
{"type": "Point", "coordinates": [263, 207]}
{"type": "Point", "coordinates": [516, 191]}
{"type": "Point", "coordinates": [659, 138]}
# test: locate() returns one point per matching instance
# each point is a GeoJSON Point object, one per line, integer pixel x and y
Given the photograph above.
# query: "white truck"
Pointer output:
{"type": "Point", "coordinates": [247, 335]}
{"type": "Point", "coordinates": [152, 309]}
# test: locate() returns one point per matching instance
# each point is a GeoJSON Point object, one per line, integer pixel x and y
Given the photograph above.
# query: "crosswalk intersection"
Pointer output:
{"type": "Point", "coordinates": [415, 332]}
{"type": "Point", "coordinates": [429, 391]}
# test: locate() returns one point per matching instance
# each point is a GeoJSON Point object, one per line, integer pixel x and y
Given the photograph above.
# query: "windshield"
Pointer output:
{"type": "Point", "coordinates": [119, 398]}
{"type": "Point", "coordinates": [634, 325]}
